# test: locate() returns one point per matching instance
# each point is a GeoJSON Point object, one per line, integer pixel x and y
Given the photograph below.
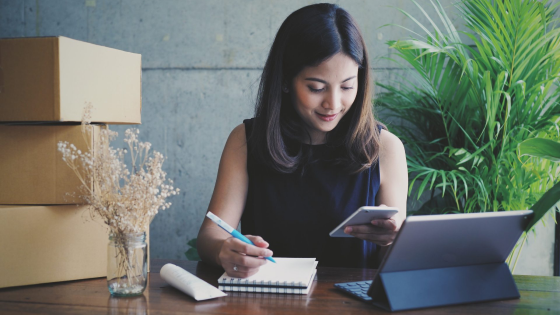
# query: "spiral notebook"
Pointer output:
{"type": "Point", "coordinates": [288, 275]}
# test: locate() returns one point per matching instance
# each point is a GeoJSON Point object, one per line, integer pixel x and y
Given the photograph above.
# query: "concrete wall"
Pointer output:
{"type": "Point", "coordinates": [201, 64]}
{"type": "Point", "coordinates": [537, 255]}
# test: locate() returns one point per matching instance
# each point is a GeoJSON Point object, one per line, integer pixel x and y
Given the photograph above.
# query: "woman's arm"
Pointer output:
{"type": "Point", "coordinates": [392, 192]}
{"type": "Point", "coordinates": [393, 171]}
{"type": "Point", "coordinates": [228, 201]}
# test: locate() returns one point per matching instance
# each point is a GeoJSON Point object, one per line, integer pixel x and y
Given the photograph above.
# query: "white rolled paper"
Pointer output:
{"type": "Point", "coordinates": [188, 283]}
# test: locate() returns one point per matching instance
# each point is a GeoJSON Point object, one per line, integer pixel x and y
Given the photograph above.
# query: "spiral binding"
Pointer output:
{"type": "Point", "coordinates": [241, 281]}
{"type": "Point", "coordinates": [257, 289]}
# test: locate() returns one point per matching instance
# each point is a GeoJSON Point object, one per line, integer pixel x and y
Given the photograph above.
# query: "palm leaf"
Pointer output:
{"type": "Point", "coordinates": [539, 147]}
{"type": "Point", "coordinates": [545, 203]}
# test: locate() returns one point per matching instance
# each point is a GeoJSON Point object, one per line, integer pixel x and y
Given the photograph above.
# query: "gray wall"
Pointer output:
{"type": "Point", "coordinates": [201, 64]}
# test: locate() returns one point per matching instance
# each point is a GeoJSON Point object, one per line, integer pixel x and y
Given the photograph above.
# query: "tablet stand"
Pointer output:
{"type": "Point", "coordinates": [405, 290]}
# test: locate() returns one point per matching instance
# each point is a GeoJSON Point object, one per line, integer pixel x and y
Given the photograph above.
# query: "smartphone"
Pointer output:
{"type": "Point", "coordinates": [363, 215]}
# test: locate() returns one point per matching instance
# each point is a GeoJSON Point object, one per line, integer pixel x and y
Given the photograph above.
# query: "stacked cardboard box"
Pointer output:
{"type": "Point", "coordinates": [45, 82]}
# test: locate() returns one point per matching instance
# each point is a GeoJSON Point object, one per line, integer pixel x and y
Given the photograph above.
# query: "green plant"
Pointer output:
{"type": "Point", "coordinates": [463, 110]}
{"type": "Point", "coordinates": [192, 253]}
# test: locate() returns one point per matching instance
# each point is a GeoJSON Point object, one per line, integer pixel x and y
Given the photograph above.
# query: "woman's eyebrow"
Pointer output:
{"type": "Point", "coordinates": [325, 82]}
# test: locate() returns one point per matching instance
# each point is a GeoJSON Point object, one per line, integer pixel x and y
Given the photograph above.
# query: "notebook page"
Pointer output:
{"type": "Point", "coordinates": [286, 271]}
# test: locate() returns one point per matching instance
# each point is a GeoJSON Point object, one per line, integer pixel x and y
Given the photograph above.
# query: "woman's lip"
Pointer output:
{"type": "Point", "coordinates": [327, 117]}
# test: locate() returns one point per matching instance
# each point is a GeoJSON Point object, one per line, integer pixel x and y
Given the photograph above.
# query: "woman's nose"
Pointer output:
{"type": "Point", "coordinates": [332, 101]}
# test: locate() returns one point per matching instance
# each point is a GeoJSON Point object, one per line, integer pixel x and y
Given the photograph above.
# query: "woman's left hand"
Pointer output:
{"type": "Point", "coordinates": [380, 231]}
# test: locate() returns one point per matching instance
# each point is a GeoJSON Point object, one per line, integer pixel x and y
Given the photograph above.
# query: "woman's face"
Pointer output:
{"type": "Point", "coordinates": [323, 94]}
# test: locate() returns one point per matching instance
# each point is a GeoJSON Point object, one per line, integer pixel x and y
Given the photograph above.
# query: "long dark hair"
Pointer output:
{"type": "Point", "coordinates": [307, 37]}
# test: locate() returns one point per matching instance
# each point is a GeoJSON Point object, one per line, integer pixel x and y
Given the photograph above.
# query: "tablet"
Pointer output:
{"type": "Point", "coordinates": [449, 240]}
{"type": "Point", "coordinates": [364, 215]}
{"type": "Point", "coordinates": [449, 259]}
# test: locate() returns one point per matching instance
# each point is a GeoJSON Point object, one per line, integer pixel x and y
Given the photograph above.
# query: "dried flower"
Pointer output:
{"type": "Point", "coordinates": [126, 199]}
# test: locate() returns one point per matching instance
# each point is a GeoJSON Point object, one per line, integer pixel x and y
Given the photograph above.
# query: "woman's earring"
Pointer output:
{"type": "Point", "coordinates": [285, 89]}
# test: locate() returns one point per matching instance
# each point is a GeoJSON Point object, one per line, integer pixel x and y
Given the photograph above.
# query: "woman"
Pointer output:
{"type": "Point", "coordinates": [312, 155]}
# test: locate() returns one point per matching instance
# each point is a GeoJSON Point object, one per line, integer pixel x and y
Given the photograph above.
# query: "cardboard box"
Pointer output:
{"type": "Point", "coordinates": [31, 167]}
{"type": "Point", "coordinates": [41, 244]}
{"type": "Point", "coordinates": [52, 78]}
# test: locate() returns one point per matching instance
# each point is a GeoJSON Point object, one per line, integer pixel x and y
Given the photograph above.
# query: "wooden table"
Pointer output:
{"type": "Point", "coordinates": [539, 295]}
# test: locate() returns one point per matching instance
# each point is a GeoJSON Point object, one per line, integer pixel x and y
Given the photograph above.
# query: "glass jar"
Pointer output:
{"type": "Point", "coordinates": [127, 265]}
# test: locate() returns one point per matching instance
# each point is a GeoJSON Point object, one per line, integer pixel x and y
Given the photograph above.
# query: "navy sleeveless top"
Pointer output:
{"type": "Point", "coordinates": [295, 212]}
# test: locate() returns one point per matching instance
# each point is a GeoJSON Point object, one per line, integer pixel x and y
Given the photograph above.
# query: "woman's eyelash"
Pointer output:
{"type": "Point", "coordinates": [320, 90]}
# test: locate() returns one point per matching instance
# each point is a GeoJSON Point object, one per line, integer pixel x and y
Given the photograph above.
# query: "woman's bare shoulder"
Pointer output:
{"type": "Point", "coordinates": [390, 144]}
{"type": "Point", "coordinates": [237, 137]}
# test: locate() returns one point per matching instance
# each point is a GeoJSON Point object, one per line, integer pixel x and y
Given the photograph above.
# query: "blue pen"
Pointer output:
{"type": "Point", "coordinates": [232, 231]}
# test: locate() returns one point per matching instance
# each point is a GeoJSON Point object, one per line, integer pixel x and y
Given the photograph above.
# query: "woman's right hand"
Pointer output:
{"type": "Point", "coordinates": [244, 257]}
